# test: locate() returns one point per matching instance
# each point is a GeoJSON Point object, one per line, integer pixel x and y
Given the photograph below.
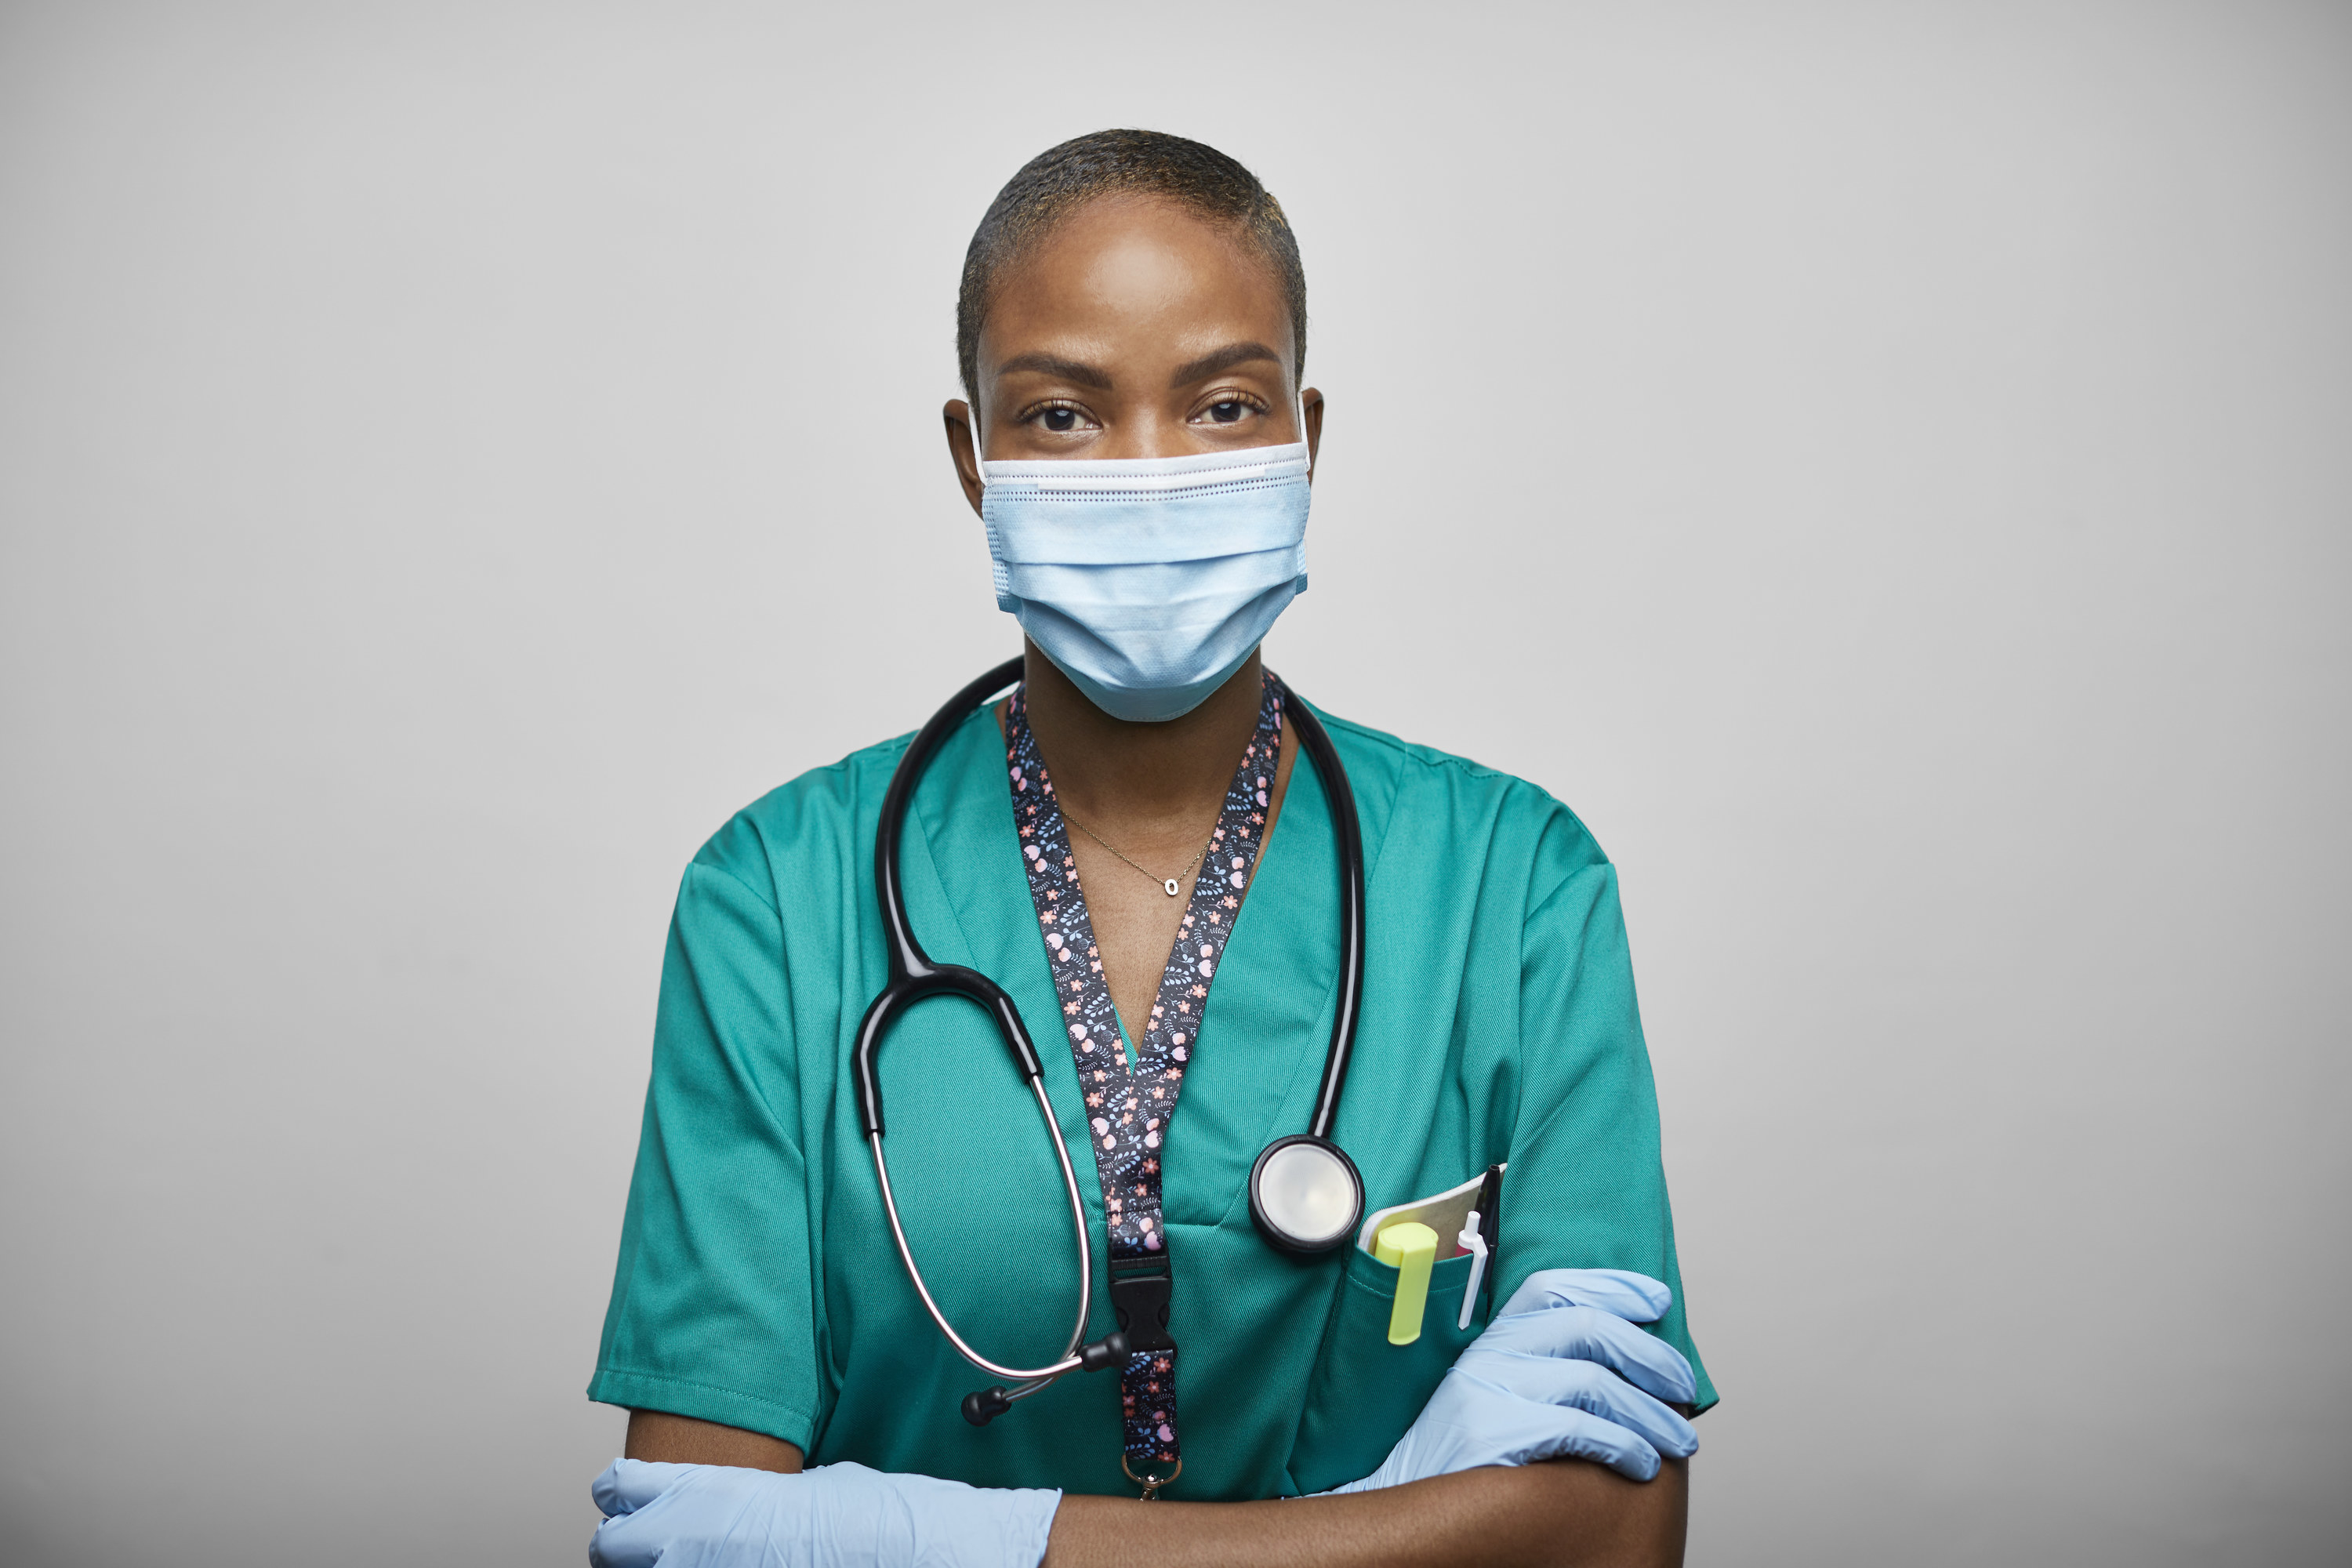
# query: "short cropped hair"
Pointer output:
{"type": "Point", "coordinates": [1060, 180]}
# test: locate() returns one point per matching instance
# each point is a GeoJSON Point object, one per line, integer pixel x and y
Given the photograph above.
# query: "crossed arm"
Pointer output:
{"type": "Point", "coordinates": [1563, 1511]}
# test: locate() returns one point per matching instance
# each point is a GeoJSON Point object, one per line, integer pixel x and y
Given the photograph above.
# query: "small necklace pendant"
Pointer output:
{"type": "Point", "coordinates": [1172, 889]}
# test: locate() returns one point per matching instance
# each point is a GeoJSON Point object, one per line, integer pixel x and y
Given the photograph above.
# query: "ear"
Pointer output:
{"type": "Point", "coordinates": [1311, 402]}
{"type": "Point", "coordinates": [958, 416]}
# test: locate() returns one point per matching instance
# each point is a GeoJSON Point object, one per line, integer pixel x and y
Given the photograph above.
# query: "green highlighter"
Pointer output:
{"type": "Point", "coordinates": [1410, 1248]}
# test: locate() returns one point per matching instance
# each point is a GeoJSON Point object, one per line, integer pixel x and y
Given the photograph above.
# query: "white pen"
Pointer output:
{"type": "Point", "coordinates": [1472, 1243]}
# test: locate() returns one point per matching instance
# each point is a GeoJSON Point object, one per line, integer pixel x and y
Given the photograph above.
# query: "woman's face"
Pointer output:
{"type": "Point", "coordinates": [1136, 330]}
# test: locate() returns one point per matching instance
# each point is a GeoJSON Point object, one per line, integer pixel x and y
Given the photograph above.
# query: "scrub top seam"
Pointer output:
{"type": "Point", "coordinates": [898, 742]}
{"type": "Point", "coordinates": [773, 906]}
{"type": "Point", "coordinates": [1599, 856]}
{"type": "Point", "coordinates": [887, 750]}
{"type": "Point", "coordinates": [1430, 757]}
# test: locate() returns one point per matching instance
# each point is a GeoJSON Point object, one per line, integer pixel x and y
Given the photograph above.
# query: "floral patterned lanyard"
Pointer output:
{"type": "Point", "coordinates": [1128, 1109]}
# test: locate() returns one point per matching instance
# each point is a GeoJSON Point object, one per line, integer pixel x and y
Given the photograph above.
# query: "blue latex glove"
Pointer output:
{"type": "Point", "coordinates": [1561, 1373]}
{"type": "Point", "coordinates": [839, 1516]}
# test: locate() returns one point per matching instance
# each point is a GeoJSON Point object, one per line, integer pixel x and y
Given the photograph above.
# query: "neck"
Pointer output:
{"type": "Point", "coordinates": [1147, 781]}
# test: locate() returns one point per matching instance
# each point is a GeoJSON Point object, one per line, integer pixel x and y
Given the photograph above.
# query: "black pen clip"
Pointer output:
{"type": "Point", "coordinates": [1490, 1220]}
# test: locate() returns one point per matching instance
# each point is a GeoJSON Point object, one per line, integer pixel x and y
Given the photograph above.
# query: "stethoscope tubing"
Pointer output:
{"type": "Point", "coordinates": [1036, 1377]}
{"type": "Point", "coordinates": [1350, 833]}
{"type": "Point", "coordinates": [912, 972]}
{"type": "Point", "coordinates": [913, 977]}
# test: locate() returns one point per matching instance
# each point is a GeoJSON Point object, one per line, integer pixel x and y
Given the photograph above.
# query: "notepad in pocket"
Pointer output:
{"type": "Point", "coordinates": [1445, 1213]}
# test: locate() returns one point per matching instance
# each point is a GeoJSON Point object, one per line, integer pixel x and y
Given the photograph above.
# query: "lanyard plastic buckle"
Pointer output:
{"type": "Point", "coordinates": [1138, 1297]}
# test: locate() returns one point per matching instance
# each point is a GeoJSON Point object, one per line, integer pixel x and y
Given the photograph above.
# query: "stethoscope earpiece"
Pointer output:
{"type": "Point", "coordinates": [983, 1406]}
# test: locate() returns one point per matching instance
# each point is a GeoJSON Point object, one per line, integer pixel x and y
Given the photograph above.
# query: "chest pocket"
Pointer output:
{"type": "Point", "coordinates": [1364, 1392]}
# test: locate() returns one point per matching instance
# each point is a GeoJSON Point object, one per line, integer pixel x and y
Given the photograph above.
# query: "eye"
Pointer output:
{"type": "Point", "coordinates": [1230, 407]}
{"type": "Point", "coordinates": [1057, 418]}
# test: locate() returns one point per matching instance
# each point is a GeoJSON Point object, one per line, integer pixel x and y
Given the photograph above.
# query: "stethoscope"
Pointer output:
{"type": "Point", "coordinates": [1304, 1193]}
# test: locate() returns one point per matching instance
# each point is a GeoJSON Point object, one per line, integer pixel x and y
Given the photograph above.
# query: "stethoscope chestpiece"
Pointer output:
{"type": "Point", "coordinates": [1305, 1194]}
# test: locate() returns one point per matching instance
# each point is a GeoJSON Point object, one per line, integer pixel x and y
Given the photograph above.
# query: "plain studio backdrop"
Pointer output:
{"type": "Point", "coordinates": [1888, 468]}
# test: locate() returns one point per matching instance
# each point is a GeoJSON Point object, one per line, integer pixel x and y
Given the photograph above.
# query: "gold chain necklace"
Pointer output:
{"type": "Point", "coordinates": [1171, 886]}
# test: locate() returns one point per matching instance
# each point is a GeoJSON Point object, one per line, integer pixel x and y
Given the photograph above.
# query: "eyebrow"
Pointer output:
{"type": "Point", "coordinates": [1224, 359]}
{"type": "Point", "coordinates": [1078, 371]}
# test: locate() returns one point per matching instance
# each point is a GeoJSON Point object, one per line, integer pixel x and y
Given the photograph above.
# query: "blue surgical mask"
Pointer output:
{"type": "Point", "coordinates": [1148, 582]}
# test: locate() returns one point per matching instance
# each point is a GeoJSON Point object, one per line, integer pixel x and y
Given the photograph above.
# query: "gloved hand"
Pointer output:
{"type": "Point", "coordinates": [1561, 1373]}
{"type": "Point", "coordinates": [838, 1516]}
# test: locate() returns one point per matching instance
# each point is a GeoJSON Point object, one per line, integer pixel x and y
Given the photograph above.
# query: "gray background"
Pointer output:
{"type": "Point", "coordinates": [1886, 465]}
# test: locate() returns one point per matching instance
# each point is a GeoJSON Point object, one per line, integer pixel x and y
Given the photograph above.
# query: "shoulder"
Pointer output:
{"type": "Point", "coordinates": [807, 822]}
{"type": "Point", "coordinates": [1467, 805]}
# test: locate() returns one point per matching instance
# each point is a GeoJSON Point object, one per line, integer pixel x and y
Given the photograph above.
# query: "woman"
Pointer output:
{"type": "Point", "coordinates": [1103, 843]}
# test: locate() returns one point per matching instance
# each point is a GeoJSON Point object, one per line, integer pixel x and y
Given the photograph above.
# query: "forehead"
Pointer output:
{"type": "Point", "coordinates": [1132, 273]}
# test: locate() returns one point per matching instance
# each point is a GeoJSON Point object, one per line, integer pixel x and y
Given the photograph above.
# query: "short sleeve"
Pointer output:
{"type": "Point", "coordinates": [711, 1314]}
{"type": "Point", "coordinates": [1586, 1185]}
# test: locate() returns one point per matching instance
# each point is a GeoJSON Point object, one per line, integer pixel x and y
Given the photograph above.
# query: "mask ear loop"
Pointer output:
{"type": "Point", "coordinates": [971, 428]}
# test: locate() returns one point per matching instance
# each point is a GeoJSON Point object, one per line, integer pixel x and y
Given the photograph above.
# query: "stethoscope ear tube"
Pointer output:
{"type": "Point", "coordinates": [913, 977]}
{"type": "Point", "coordinates": [936, 980]}
{"type": "Point", "coordinates": [983, 1406]}
{"type": "Point", "coordinates": [1288, 1169]}
{"type": "Point", "coordinates": [1317, 743]}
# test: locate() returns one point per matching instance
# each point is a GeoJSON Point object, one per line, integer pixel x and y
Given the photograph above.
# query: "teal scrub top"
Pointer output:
{"type": "Point", "coordinates": [758, 1285]}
